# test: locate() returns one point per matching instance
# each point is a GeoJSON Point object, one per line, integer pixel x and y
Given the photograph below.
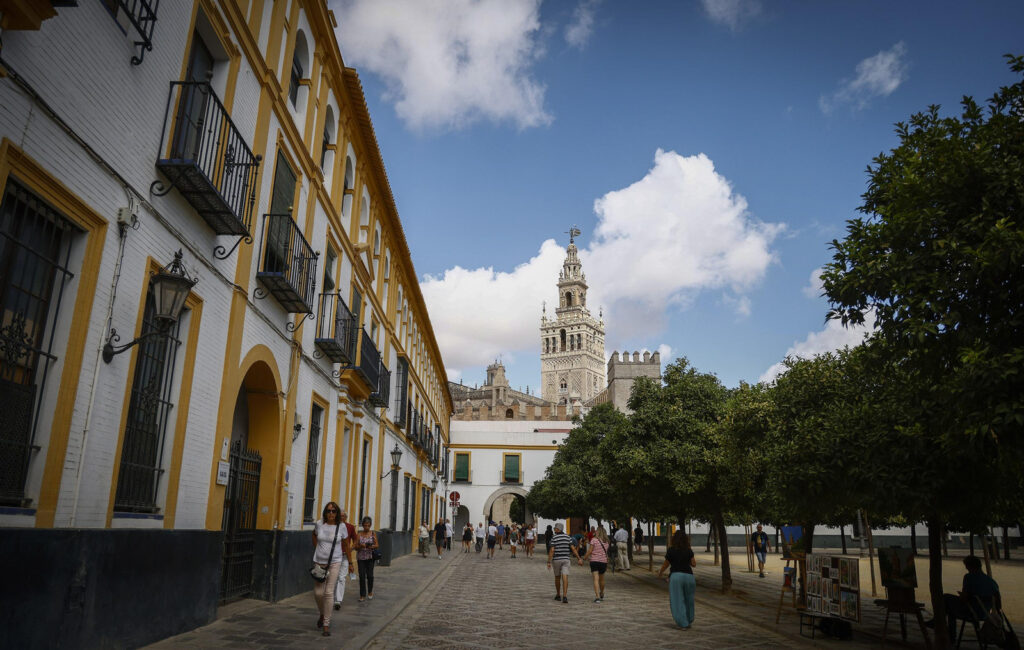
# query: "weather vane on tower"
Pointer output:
{"type": "Point", "coordinates": [573, 232]}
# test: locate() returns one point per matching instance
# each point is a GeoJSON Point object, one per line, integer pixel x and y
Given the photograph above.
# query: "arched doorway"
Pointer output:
{"type": "Point", "coordinates": [460, 521]}
{"type": "Point", "coordinates": [499, 504]}
{"type": "Point", "coordinates": [249, 493]}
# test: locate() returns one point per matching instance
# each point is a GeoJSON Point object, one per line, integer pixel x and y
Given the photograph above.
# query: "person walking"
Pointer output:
{"type": "Point", "coordinates": [440, 530]}
{"type": "Point", "coordinates": [513, 541]}
{"type": "Point", "coordinates": [531, 540]}
{"type": "Point", "coordinates": [638, 538]}
{"type": "Point", "coordinates": [467, 537]}
{"type": "Point", "coordinates": [547, 538]}
{"type": "Point", "coordinates": [366, 544]}
{"type": "Point", "coordinates": [759, 540]}
{"type": "Point", "coordinates": [424, 538]}
{"type": "Point", "coordinates": [330, 543]}
{"type": "Point", "coordinates": [480, 534]}
{"type": "Point", "coordinates": [597, 555]}
{"type": "Point", "coordinates": [501, 534]}
{"type": "Point", "coordinates": [681, 584]}
{"type": "Point", "coordinates": [449, 532]}
{"type": "Point", "coordinates": [558, 561]}
{"type": "Point", "coordinates": [492, 538]}
{"type": "Point", "coordinates": [347, 563]}
{"type": "Point", "coordinates": [622, 546]}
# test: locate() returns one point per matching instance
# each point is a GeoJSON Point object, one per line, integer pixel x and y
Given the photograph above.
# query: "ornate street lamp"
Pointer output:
{"type": "Point", "coordinates": [169, 286]}
{"type": "Point", "coordinates": [396, 458]}
{"type": "Point", "coordinates": [433, 484]}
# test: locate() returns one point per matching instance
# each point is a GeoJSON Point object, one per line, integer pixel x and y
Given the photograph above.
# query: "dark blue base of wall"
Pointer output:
{"type": "Point", "coordinates": [105, 588]}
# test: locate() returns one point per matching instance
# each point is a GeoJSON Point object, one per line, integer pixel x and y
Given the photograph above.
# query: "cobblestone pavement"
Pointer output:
{"type": "Point", "coordinates": [479, 603]}
{"type": "Point", "coordinates": [466, 601]}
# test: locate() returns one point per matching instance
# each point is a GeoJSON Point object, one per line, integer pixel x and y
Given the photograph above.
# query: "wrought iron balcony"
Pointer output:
{"type": "Point", "coordinates": [369, 362]}
{"type": "Point", "coordinates": [336, 333]}
{"type": "Point", "coordinates": [287, 266]}
{"type": "Point", "coordinates": [206, 158]}
{"type": "Point", "coordinates": [383, 392]}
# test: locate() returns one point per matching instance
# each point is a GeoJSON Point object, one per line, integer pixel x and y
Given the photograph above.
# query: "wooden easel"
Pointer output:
{"type": "Point", "coordinates": [790, 588]}
{"type": "Point", "coordinates": [901, 601]}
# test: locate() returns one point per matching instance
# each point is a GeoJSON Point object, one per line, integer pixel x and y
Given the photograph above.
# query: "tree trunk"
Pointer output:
{"type": "Point", "coordinates": [935, 535]}
{"type": "Point", "coordinates": [711, 531]}
{"type": "Point", "coordinates": [720, 535]}
{"type": "Point", "coordinates": [995, 543]}
{"type": "Point", "coordinates": [970, 537]}
{"type": "Point", "coordinates": [1006, 541]}
{"type": "Point", "coordinates": [913, 536]}
{"type": "Point", "coordinates": [717, 539]}
{"type": "Point", "coordinates": [650, 546]}
{"type": "Point", "coordinates": [842, 537]}
{"type": "Point", "coordinates": [808, 538]}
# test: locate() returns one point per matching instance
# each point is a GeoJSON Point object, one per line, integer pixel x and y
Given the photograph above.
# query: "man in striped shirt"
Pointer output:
{"type": "Point", "coordinates": [559, 559]}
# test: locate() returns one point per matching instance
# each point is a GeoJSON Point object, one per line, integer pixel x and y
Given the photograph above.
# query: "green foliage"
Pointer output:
{"type": "Point", "coordinates": [939, 261]}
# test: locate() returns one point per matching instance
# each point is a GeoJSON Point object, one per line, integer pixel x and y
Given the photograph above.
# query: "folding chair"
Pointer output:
{"type": "Point", "coordinates": [993, 629]}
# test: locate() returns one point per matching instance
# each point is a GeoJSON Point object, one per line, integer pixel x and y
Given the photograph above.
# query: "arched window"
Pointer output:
{"type": "Point", "coordinates": [364, 220]}
{"type": "Point", "coordinates": [328, 138]}
{"type": "Point", "coordinates": [563, 340]}
{"type": "Point", "coordinates": [508, 413]}
{"type": "Point", "coordinates": [348, 185]}
{"type": "Point", "coordinates": [300, 65]}
{"type": "Point", "coordinates": [568, 299]}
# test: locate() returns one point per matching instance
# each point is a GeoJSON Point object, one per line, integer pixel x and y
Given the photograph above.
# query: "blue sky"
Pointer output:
{"type": "Point", "coordinates": [709, 150]}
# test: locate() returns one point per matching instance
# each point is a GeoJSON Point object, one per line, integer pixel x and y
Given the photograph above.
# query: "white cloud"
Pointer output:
{"type": "Point", "coordinates": [578, 32]}
{"type": "Point", "coordinates": [658, 243]}
{"type": "Point", "coordinates": [665, 350]}
{"type": "Point", "coordinates": [877, 76]}
{"type": "Point", "coordinates": [731, 13]}
{"type": "Point", "coordinates": [449, 63]}
{"type": "Point", "coordinates": [814, 287]}
{"type": "Point", "coordinates": [833, 337]}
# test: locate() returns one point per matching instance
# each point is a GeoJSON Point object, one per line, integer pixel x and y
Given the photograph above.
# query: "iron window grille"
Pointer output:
{"type": "Point", "coordinates": [336, 331]}
{"type": "Point", "coordinates": [382, 395]}
{"type": "Point", "coordinates": [35, 249]}
{"type": "Point", "coordinates": [140, 15]}
{"type": "Point", "coordinates": [287, 266]}
{"type": "Point", "coordinates": [294, 81]}
{"type": "Point", "coordinates": [148, 411]}
{"type": "Point", "coordinates": [208, 161]}
{"type": "Point", "coordinates": [401, 391]}
{"type": "Point", "coordinates": [312, 456]}
{"type": "Point", "coordinates": [369, 361]}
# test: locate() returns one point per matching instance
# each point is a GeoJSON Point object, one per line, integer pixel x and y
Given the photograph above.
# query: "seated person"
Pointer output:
{"type": "Point", "coordinates": [964, 606]}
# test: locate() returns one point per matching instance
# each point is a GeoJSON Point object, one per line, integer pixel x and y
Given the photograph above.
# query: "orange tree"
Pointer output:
{"type": "Point", "coordinates": [938, 259]}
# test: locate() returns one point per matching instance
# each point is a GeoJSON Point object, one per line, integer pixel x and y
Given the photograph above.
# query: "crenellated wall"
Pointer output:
{"type": "Point", "coordinates": [624, 369]}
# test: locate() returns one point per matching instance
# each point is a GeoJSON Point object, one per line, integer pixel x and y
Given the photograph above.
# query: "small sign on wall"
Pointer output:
{"type": "Point", "coordinates": [223, 472]}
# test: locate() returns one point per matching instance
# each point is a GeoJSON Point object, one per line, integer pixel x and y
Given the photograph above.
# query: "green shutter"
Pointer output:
{"type": "Point", "coordinates": [461, 467]}
{"type": "Point", "coordinates": [512, 468]}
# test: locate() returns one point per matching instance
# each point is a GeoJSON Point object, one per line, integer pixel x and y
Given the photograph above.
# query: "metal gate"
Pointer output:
{"type": "Point", "coordinates": [240, 503]}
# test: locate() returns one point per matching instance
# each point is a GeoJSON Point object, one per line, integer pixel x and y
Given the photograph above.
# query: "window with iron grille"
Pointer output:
{"type": "Point", "coordinates": [401, 390]}
{"type": "Point", "coordinates": [324, 144]}
{"type": "Point", "coordinates": [148, 411]}
{"type": "Point", "coordinates": [405, 510]}
{"type": "Point", "coordinates": [312, 458]}
{"type": "Point", "coordinates": [35, 247]}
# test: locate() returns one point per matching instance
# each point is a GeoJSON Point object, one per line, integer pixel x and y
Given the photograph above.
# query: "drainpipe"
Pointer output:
{"type": "Point", "coordinates": [122, 233]}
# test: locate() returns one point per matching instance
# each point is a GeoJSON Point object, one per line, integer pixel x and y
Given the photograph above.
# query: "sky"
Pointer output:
{"type": "Point", "coordinates": [708, 150]}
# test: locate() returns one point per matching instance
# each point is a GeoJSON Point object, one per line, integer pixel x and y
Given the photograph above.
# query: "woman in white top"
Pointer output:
{"type": "Point", "coordinates": [330, 544]}
{"type": "Point", "coordinates": [531, 539]}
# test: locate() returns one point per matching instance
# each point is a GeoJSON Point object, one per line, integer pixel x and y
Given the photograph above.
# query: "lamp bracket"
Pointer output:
{"type": "Point", "coordinates": [110, 350]}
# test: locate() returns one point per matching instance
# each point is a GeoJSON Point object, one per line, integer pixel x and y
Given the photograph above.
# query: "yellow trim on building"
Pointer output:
{"type": "Point", "coordinates": [195, 305]}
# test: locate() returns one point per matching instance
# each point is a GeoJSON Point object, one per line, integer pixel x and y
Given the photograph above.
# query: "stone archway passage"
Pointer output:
{"type": "Point", "coordinates": [460, 521]}
{"type": "Point", "coordinates": [507, 490]}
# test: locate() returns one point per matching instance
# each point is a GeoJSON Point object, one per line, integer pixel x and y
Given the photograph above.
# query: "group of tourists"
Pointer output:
{"type": "Point", "coordinates": [334, 541]}
{"type": "Point", "coordinates": [498, 535]}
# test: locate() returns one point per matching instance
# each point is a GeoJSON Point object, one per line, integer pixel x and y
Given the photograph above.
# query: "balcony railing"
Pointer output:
{"type": "Point", "coordinates": [336, 331]}
{"type": "Point", "coordinates": [383, 392]}
{"type": "Point", "coordinates": [511, 478]}
{"type": "Point", "coordinates": [287, 267]}
{"type": "Point", "coordinates": [207, 159]}
{"type": "Point", "coordinates": [369, 362]}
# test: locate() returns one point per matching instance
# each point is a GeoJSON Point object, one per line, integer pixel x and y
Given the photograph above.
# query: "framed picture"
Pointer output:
{"type": "Point", "coordinates": [848, 606]}
{"type": "Point", "coordinates": [896, 567]}
{"type": "Point", "coordinates": [814, 584]}
{"type": "Point", "coordinates": [835, 608]}
{"type": "Point", "coordinates": [848, 574]}
{"type": "Point", "coordinates": [824, 572]}
{"type": "Point", "coordinates": [835, 591]}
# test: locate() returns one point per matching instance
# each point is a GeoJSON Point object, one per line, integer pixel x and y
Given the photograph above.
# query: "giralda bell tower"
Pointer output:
{"type": "Point", "coordinates": [572, 363]}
